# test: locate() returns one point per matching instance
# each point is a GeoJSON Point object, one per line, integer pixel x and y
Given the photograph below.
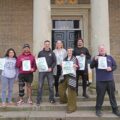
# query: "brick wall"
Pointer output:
{"type": "Point", "coordinates": [114, 12]}
{"type": "Point", "coordinates": [16, 21]}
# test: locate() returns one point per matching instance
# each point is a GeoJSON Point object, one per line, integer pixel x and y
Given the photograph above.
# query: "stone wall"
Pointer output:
{"type": "Point", "coordinates": [16, 24]}
{"type": "Point", "coordinates": [114, 12]}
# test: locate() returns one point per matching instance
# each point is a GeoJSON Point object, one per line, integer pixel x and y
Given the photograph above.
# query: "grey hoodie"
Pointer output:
{"type": "Point", "coordinates": [10, 70]}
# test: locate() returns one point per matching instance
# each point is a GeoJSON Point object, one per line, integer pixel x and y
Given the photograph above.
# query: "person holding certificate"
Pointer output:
{"type": "Point", "coordinates": [104, 65]}
{"type": "Point", "coordinates": [26, 65]}
{"type": "Point", "coordinates": [8, 76]}
{"type": "Point", "coordinates": [68, 81]}
{"type": "Point", "coordinates": [83, 56]}
{"type": "Point", "coordinates": [50, 59]}
{"type": "Point", "coordinates": [60, 54]}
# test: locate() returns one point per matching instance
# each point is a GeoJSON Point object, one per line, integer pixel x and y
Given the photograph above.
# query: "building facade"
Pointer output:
{"type": "Point", "coordinates": [33, 21]}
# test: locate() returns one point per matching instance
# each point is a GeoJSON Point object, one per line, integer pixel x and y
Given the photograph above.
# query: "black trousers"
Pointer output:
{"type": "Point", "coordinates": [101, 88]}
{"type": "Point", "coordinates": [84, 75]}
{"type": "Point", "coordinates": [57, 76]}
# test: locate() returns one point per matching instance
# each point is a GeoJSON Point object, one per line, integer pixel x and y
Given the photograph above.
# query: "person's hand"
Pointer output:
{"type": "Point", "coordinates": [96, 58]}
{"type": "Point", "coordinates": [49, 69]}
{"type": "Point", "coordinates": [82, 55]}
{"type": "Point", "coordinates": [109, 69]}
{"type": "Point", "coordinates": [32, 70]}
{"type": "Point", "coordinates": [75, 66]}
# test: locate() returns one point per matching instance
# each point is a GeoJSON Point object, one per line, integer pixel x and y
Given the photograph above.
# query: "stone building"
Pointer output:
{"type": "Point", "coordinates": [33, 21]}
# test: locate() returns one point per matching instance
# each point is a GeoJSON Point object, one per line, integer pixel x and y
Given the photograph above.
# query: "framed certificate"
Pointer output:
{"type": "Point", "coordinates": [26, 66]}
{"type": "Point", "coordinates": [102, 62]}
{"type": "Point", "coordinates": [67, 67]}
{"type": "Point", "coordinates": [81, 62]}
{"type": "Point", "coordinates": [2, 63]}
{"type": "Point", "coordinates": [42, 64]}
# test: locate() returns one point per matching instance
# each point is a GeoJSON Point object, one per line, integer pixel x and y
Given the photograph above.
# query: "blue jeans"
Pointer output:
{"type": "Point", "coordinates": [7, 83]}
{"type": "Point", "coordinates": [50, 80]}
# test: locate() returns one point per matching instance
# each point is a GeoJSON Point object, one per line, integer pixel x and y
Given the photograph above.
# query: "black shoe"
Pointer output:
{"type": "Point", "coordinates": [52, 101]}
{"type": "Point", "coordinates": [117, 113]}
{"type": "Point", "coordinates": [98, 113]}
{"type": "Point", "coordinates": [57, 94]}
{"type": "Point", "coordinates": [38, 103]}
{"type": "Point", "coordinates": [63, 102]}
{"type": "Point", "coordinates": [85, 95]}
{"type": "Point", "coordinates": [70, 111]}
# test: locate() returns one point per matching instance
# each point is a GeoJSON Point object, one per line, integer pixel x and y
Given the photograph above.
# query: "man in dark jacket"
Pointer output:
{"type": "Point", "coordinates": [51, 62]}
{"type": "Point", "coordinates": [80, 50]}
{"type": "Point", "coordinates": [104, 80]}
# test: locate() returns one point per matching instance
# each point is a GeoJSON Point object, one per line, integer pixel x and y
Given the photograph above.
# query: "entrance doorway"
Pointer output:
{"type": "Point", "coordinates": [68, 31]}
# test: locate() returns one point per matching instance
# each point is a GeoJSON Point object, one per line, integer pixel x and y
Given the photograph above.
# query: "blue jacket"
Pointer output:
{"type": "Point", "coordinates": [101, 74]}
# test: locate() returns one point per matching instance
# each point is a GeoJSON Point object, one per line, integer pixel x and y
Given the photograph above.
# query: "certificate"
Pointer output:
{"type": "Point", "coordinates": [102, 62]}
{"type": "Point", "coordinates": [2, 63]}
{"type": "Point", "coordinates": [67, 67]}
{"type": "Point", "coordinates": [42, 64]}
{"type": "Point", "coordinates": [81, 62]}
{"type": "Point", "coordinates": [26, 66]}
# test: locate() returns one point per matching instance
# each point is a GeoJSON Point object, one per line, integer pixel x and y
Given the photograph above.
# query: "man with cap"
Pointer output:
{"type": "Point", "coordinates": [26, 65]}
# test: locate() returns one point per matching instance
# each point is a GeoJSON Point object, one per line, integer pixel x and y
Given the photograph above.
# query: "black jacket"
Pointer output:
{"type": "Point", "coordinates": [50, 57]}
{"type": "Point", "coordinates": [83, 50]}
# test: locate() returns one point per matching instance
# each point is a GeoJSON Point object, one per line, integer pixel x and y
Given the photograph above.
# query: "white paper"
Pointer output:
{"type": "Point", "coordinates": [67, 67]}
{"type": "Point", "coordinates": [81, 62]}
{"type": "Point", "coordinates": [102, 62]}
{"type": "Point", "coordinates": [42, 64]}
{"type": "Point", "coordinates": [59, 59]}
{"type": "Point", "coordinates": [2, 63]}
{"type": "Point", "coordinates": [26, 66]}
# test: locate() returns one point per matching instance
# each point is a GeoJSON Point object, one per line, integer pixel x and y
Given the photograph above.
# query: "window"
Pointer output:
{"type": "Point", "coordinates": [66, 24]}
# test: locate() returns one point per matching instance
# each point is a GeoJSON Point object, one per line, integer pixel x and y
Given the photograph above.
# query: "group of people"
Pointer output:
{"type": "Point", "coordinates": [14, 68]}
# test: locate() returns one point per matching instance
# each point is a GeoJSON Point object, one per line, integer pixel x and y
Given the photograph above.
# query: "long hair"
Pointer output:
{"type": "Point", "coordinates": [61, 44]}
{"type": "Point", "coordinates": [7, 53]}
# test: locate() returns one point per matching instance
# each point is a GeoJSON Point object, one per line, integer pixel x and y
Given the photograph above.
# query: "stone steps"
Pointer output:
{"type": "Point", "coordinates": [46, 106]}
{"type": "Point", "coordinates": [56, 115]}
{"type": "Point", "coordinates": [57, 111]}
{"type": "Point", "coordinates": [79, 98]}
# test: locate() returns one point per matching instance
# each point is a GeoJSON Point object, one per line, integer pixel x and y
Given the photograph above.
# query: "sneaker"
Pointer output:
{"type": "Point", "coordinates": [52, 101]}
{"type": "Point", "coordinates": [20, 102]}
{"type": "Point", "coordinates": [11, 103]}
{"type": "Point", "coordinates": [30, 101]}
{"type": "Point", "coordinates": [38, 103]}
{"type": "Point", "coordinates": [4, 104]}
{"type": "Point", "coordinates": [86, 96]}
{"type": "Point", "coordinates": [98, 113]}
{"type": "Point", "coordinates": [57, 95]}
{"type": "Point", "coordinates": [117, 113]}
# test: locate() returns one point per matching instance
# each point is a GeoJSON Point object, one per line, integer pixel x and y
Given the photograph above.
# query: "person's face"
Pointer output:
{"type": "Point", "coordinates": [47, 45]}
{"type": "Point", "coordinates": [11, 54]}
{"type": "Point", "coordinates": [59, 44]}
{"type": "Point", "coordinates": [26, 49]}
{"type": "Point", "coordinates": [80, 43]}
{"type": "Point", "coordinates": [102, 50]}
{"type": "Point", "coordinates": [69, 52]}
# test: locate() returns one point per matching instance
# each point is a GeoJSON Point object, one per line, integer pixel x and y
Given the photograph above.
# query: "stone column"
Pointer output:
{"type": "Point", "coordinates": [41, 23]}
{"type": "Point", "coordinates": [100, 25]}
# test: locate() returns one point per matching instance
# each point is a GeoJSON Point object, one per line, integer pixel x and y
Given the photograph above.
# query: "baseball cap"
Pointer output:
{"type": "Point", "coordinates": [26, 45]}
